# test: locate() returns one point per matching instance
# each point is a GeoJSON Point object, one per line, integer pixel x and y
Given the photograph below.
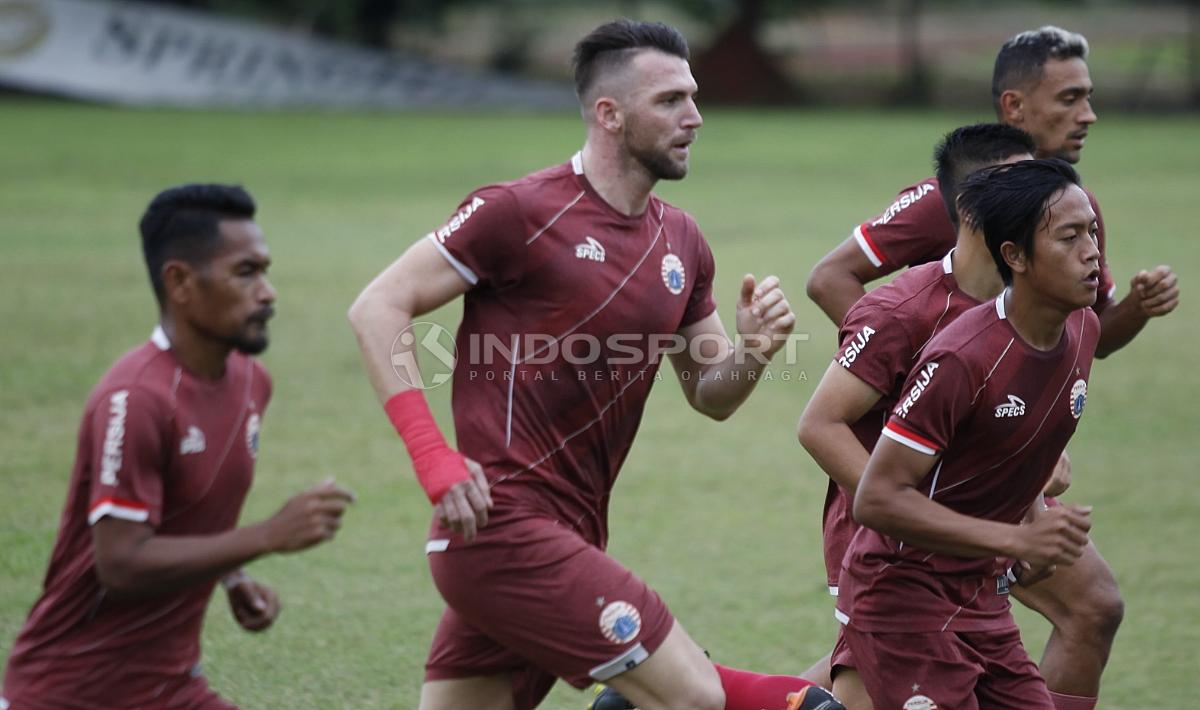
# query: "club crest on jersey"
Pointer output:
{"type": "Point", "coordinates": [672, 273]}
{"type": "Point", "coordinates": [591, 250]}
{"type": "Point", "coordinates": [1078, 397]}
{"type": "Point", "coordinates": [620, 622]}
{"type": "Point", "coordinates": [920, 702]}
{"type": "Point", "coordinates": [1014, 407]}
{"type": "Point", "coordinates": [252, 427]}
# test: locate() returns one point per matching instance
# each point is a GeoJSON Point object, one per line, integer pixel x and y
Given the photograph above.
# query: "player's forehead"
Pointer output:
{"type": "Point", "coordinates": [652, 71]}
{"type": "Point", "coordinates": [241, 240]}
{"type": "Point", "coordinates": [1059, 75]}
{"type": "Point", "coordinates": [1070, 208]}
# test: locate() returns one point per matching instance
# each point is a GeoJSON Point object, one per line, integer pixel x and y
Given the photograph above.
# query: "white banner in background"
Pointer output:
{"type": "Point", "coordinates": [134, 53]}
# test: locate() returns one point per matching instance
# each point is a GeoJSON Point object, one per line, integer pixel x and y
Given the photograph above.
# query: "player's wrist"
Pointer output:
{"type": "Point", "coordinates": [438, 467]}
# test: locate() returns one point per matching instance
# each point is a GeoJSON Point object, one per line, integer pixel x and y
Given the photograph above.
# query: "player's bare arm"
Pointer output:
{"type": "Point", "coordinates": [717, 382]}
{"type": "Point", "coordinates": [133, 561]}
{"type": "Point", "coordinates": [839, 279]}
{"type": "Point", "coordinates": [1152, 294]}
{"type": "Point", "coordinates": [824, 428]}
{"type": "Point", "coordinates": [888, 501]}
{"type": "Point", "coordinates": [420, 281]}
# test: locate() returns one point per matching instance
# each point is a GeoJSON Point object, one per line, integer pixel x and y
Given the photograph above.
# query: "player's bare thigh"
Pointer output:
{"type": "Point", "coordinates": [848, 687]}
{"type": "Point", "coordinates": [1072, 588]}
{"type": "Point", "coordinates": [480, 693]}
{"type": "Point", "coordinates": [676, 676]}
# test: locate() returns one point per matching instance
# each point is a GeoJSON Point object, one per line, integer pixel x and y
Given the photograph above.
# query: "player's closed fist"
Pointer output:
{"type": "Point", "coordinates": [308, 518]}
{"type": "Point", "coordinates": [1157, 290]}
{"type": "Point", "coordinates": [764, 316]}
{"type": "Point", "coordinates": [1056, 536]}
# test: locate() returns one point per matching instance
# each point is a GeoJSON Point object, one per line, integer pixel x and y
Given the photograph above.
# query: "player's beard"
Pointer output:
{"type": "Point", "coordinates": [656, 162]}
{"type": "Point", "coordinates": [253, 338]}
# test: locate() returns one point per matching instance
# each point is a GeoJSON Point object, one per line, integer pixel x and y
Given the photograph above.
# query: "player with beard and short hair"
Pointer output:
{"type": "Point", "coordinates": [165, 457]}
{"type": "Point", "coordinates": [978, 425]}
{"type": "Point", "coordinates": [1041, 85]}
{"type": "Point", "coordinates": [576, 253]}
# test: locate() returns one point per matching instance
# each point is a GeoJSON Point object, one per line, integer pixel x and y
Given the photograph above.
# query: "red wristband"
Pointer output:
{"type": "Point", "coordinates": [438, 467]}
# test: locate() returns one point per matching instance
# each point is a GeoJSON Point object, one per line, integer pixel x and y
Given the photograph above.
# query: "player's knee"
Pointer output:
{"type": "Point", "coordinates": [1096, 615]}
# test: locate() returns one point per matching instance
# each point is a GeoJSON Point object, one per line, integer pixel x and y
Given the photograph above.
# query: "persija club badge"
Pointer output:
{"type": "Point", "coordinates": [620, 622]}
{"type": "Point", "coordinates": [672, 274]}
{"type": "Point", "coordinates": [1078, 397]}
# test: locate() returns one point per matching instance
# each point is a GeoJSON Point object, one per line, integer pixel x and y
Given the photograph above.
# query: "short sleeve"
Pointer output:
{"type": "Point", "coordinates": [1108, 286]}
{"type": "Point", "coordinates": [700, 299]}
{"type": "Point", "coordinates": [936, 398]}
{"type": "Point", "coordinates": [913, 230]}
{"type": "Point", "coordinates": [874, 347]}
{"type": "Point", "coordinates": [128, 458]}
{"type": "Point", "coordinates": [484, 240]}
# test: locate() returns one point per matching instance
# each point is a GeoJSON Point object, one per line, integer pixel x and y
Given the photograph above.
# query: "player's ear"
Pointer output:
{"type": "Point", "coordinates": [1012, 107]}
{"type": "Point", "coordinates": [178, 279]}
{"type": "Point", "coordinates": [1014, 256]}
{"type": "Point", "coordinates": [608, 114]}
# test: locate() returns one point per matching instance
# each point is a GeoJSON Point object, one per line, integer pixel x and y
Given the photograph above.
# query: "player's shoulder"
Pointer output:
{"type": "Point", "coordinates": [910, 293]}
{"type": "Point", "coordinates": [148, 370]}
{"type": "Point", "coordinates": [976, 337]}
{"type": "Point", "coordinates": [549, 184]}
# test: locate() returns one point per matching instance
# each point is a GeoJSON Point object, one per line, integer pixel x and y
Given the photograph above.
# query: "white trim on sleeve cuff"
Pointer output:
{"type": "Point", "coordinates": [462, 269]}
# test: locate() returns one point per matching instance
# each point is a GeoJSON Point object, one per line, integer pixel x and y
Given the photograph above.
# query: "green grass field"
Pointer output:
{"type": "Point", "coordinates": [723, 519]}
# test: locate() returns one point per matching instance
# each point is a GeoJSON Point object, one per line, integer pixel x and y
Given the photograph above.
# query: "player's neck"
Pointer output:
{"type": "Point", "coordinates": [199, 355]}
{"type": "Point", "coordinates": [623, 183]}
{"type": "Point", "coordinates": [1039, 322]}
{"type": "Point", "coordinates": [974, 270]}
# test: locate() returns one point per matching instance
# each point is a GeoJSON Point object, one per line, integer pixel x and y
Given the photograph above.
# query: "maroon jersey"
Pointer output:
{"type": "Point", "coordinates": [915, 229]}
{"type": "Point", "coordinates": [160, 446]}
{"type": "Point", "coordinates": [998, 413]}
{"type": "Point", "coordinates": [881, 339]}
{"type": "Point", "coordinates": [571, 306]}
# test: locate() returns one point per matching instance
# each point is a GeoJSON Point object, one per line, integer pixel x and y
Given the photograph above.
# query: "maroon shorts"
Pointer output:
{"type": "Point", "coordinates": [842, 656]}
{"type": "Point", "coordinates": [184, 692]}
{"type": "Point", "coordinates": [533, 598]}
{"type": "Point", "coordinates": [948, 670]}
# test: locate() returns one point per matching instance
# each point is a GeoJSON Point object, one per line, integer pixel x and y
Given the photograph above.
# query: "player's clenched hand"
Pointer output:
{"type": "Point", "coordinates": [464, 508]}
{"type": "Point", "coordinates": [254, 605]}
{"type": "Point", "coordinates": [764, 317]}
{"type": "Point", "coordinates": [1157, 291]}
{"type": "Point", "coordinates": [308, 518]}
{"type": "Point", "coordinates": [1056, 536]}
{"type": "Point", "coordinates": [1060, 477]}
{"type": "Point", "coordinates": [1028, 575]}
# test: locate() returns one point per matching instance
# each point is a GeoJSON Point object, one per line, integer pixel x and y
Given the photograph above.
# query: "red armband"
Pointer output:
{"type": "Point", "coordinates": [438, 467]}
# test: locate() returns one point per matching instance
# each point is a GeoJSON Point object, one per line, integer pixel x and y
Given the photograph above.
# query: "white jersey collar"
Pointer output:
{"type": "Point", "coordinates": [1000, 305]}
{"type": "Point", "coordinates": [577, 162]}
{"type": "Point", "coordinates": [948, 263]}
{"type": "Point", "coordinates": [159, 338]}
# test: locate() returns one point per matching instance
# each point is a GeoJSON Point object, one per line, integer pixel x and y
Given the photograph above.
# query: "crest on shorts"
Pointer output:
{"type": "Point", "coordinates": [920, 702]}
{"type": "Point", "coordinates": [252, 426]}
{"type": "Point", "coordinates": [620, 622]}
{"type": "Point", "coordinates": [1078, 397]}
{"type": "Point", "coordinates": [672, 274]}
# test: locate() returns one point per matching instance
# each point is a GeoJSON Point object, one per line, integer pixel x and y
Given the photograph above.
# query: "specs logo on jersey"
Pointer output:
{"type": "Point", "coordinates": [672, 274]}
{"type": "Point", "coordinates": [856, 346]}
{"type": "Point", "coordinates": [114, 437]}
{"type": "Point", "coordinates": [253, 424]}
{"type": "Point", "coordinates": [920, 382]}
{"type": "Point", "coordinates": [1015, 407]}
{"type": "Point", "coordinates": [458, 220]}
{"type": "Point", "coordinates": [1078, 397]}
{"type": "Point", "coordinates": [620, 622]}
{"type": "Point", "coordinates": [591, 250]}
{"type": "Point", "coordinates": [193, 443]}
